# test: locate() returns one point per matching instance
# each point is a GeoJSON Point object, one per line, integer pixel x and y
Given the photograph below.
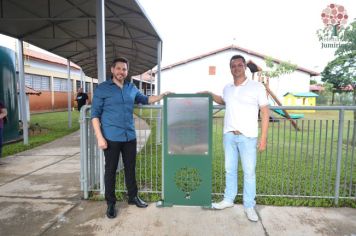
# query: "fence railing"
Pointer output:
{"type": "Point", "coordinates": [315, 160]}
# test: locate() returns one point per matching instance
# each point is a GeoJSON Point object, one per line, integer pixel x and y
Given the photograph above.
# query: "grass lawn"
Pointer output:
{"type": "Point", "coordinates": [299, 163]}
{"type": "Point", "coordinates": [295, 163]}
{"type": "Point", "coordinates": [53, 126]}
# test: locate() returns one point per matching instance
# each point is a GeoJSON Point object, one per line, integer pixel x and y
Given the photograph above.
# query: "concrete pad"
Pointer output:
{"type": "Point", "coordinates": [89, 219]}
{"type": "Point", "coordinates": [30, 216]}
{"type": "Point", "coordinates": [286, 221]}
{"type": "Point", "coordinates": [70, 151]}
{"type": "Point", "coordinates": [67, 146]}
{"type": "Point", "coordinates": [13, 167]}
{"type": "Point", "coordinates": [60, 180]}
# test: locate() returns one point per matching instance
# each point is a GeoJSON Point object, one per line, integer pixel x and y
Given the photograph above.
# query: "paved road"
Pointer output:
{"type": "Point", "coordinates": [40, 195]}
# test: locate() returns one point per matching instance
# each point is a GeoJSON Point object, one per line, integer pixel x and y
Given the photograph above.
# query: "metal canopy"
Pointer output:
{"type": "Point", "coordinates": [68, 28]}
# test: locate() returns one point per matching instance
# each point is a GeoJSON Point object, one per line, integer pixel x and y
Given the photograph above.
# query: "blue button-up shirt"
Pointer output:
{"type": "Point", "coordinates": [114, 107]}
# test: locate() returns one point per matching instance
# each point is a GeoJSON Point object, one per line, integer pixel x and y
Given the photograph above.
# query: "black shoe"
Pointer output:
{"type": "Point", "coordinates": [111, 211]}
{"type": "Point", "coordinates": [138, 202]}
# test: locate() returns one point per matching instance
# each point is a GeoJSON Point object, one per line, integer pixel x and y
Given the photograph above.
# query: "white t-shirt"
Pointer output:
{"type": "Point", "coordinates": [242, 106]}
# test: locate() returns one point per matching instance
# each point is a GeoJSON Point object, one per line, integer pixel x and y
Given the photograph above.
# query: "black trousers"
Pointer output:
{"type": "Point", "coordinates": [112, 155]}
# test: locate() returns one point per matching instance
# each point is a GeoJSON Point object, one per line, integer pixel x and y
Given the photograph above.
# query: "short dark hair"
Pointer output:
{"type": "Point", "coordinates": [238, 57]}
{"type": "Point", "coordinates": [120, 59]}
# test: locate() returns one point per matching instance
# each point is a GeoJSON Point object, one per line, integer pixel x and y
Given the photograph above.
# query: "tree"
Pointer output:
{"type": "Point", "coordinates": [349, 38]}
{"type": "Point", "coordinates": [313, 81]}
{"type": "Point", "coordinates": [279, 69]}
{"type": "Point", "coordinates": [341, 72]}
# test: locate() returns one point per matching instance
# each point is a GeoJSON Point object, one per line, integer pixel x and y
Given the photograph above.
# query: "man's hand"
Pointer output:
{"type": "Point", "coordinates": [262, 144]}
{"type": "Point", "coordinates": [166, 93]}
{"type": "Point", "coordinates": [156, 98]}
{"type": "Point", "coordinates": [102, 144]}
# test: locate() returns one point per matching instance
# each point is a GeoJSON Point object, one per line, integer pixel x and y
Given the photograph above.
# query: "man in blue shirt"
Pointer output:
{"type": "Point", "coordinates": [112, 119]}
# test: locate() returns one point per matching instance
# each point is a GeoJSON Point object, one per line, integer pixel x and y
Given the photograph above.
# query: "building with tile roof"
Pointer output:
{"type": "Point", "coordinates": [211, 71]}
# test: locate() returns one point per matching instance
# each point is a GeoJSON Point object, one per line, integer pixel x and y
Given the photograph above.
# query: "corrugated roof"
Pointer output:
{"type": "Point", "coordinates": [68, 29]}
{"type": "Point", "coordinates": [31, 91]}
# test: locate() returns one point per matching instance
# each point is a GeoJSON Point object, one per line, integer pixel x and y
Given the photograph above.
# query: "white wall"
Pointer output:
{"type": "Point", "coordinates": [194, 76]}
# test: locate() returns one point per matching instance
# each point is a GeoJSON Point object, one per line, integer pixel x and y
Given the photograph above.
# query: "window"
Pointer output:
{"type": "Point", "coordinates": [86, 84]}
{"type": "Point", "coordinates": [78, 84]}
{"type": "Point", "coordinates": [299, 102]}
{"type": "Point", "coordinates": [37, 82]}
{"type": "Point", "coordinates": [60, 85]}
{"type": "Point", "coordinates": [28, 80]}
{"type": "Point", "coordinates": [87, 87]}
{"type": "Point", "coordinates": [212, 70]}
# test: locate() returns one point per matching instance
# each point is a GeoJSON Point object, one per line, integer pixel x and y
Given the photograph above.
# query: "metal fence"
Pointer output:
{"type": "Point", "coordinates": [314, 158]}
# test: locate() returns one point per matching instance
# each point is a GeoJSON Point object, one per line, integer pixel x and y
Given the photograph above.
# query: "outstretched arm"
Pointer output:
{"type": "Point", "coordinates": [217, 98]}
{"type": "Point", "coordinates": [154, 98]}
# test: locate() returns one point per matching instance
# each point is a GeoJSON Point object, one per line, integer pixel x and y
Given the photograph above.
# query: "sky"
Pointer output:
{"type": "Point", "coordinates": [284, 30]}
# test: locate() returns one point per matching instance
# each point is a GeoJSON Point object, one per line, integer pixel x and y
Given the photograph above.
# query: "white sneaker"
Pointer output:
{"type": "Point", "coordinates": [222, 205]}
{"type": "Point", "coordinates": [251, 214]}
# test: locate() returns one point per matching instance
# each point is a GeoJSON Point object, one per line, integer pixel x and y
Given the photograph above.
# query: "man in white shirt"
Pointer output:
{"type": "Point", "coordinates": [243, 99]}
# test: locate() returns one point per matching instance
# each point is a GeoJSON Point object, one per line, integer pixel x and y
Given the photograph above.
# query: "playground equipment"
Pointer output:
{"type": "Point", "coordinates": [256, 69]}
{"type": "Point", "coordinates": [293, 116]}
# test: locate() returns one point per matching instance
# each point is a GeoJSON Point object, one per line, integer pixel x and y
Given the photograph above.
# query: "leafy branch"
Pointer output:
{"type": "Point", "coordinates": [278, 69]}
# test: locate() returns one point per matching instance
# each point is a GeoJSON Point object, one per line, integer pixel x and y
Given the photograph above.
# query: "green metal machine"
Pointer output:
{"type": "Point", "coordinates": [8, 93]}
{"type": "Point", "coordinates": [187, 154]}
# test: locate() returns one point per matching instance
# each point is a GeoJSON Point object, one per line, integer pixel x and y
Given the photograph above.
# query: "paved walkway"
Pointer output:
{"type": "Point", "coordinates": [40, 195]}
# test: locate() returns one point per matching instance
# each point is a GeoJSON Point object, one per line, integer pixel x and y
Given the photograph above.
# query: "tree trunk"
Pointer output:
{"type": "Point", "coordinates": [332, 97]}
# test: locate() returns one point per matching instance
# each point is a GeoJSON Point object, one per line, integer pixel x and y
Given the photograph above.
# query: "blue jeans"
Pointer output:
{"type": "Point", "coordinates": [236, 146]}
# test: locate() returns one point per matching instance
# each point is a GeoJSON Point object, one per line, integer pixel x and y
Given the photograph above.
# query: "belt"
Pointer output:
{"type": "Point", "coordinates": [236, 132]}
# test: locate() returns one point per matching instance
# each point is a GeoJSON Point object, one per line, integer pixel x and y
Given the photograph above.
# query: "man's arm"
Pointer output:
{"type": "Point", "coordinates": [264, 128]}
{"type": "Point", "coordinates": [154, 98]}
{"type": "Point", "coordinates": [218, 99]}
{"type": "Point", "coordinates": [102, 144]}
